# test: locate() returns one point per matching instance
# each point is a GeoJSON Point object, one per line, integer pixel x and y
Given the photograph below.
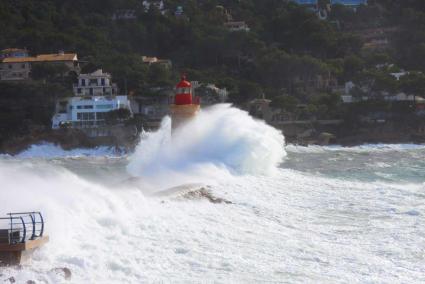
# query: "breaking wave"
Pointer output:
{"type": "Point", "coordinates": [366, 148]}
{"type": "Point", "coordinates": [295, 226]}
{"type": "Point", "coordinates": [50, 151]}
{"type": "Point", "coordinates": [220, 140]}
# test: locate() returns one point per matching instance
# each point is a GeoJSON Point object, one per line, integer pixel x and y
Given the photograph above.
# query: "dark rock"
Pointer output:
{"type": "Point", "coordinates": [205, 194]}
{"type": "Point", "coordinates": [11, 279]}
{"type": "Point", "coordinates": [31, 282]}
{"type": "Point", "coordinates": [67, 274]}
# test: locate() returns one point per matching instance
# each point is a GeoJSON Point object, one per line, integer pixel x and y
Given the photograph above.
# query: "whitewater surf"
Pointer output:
{"type": "Point", "coordinates": [315, 215]}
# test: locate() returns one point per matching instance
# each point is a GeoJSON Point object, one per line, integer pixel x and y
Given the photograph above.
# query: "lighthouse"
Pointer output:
{"type": "Point", "coordinates": [185, 105]}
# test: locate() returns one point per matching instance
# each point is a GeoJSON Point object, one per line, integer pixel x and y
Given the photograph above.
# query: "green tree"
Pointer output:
{"type": "Point", "coordinates": [413, 84]}
{"type": "Point", "coordinates": [40, 71]}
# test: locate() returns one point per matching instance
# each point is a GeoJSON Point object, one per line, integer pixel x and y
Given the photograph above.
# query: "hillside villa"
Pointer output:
{"type": "Point", "coordinates": [16, 63]}
{"type": "Point", "coordinates": [94, 96]}
{"type": "Point", "coordinates": [166, 63]}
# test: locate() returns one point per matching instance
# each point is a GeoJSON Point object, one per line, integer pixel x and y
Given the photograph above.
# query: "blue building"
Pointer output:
{"type": "Point", "coordinates": [310, 4]}
{"type": "Point", "coordinates": [352, 3]}
{"type": "Point", "coordinates": [306, 2]}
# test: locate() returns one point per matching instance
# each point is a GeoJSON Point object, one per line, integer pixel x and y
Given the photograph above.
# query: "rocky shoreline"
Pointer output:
{"type": "Point", "coordinates": [345, 135]}
{"type": "Point", "coordinates": [69, 139]}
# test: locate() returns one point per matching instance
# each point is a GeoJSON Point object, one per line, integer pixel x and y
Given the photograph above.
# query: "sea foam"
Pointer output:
{"type": "Point", "coordinates": [220, 140]}
{"type": "Point", "coordinates": [49, 151]}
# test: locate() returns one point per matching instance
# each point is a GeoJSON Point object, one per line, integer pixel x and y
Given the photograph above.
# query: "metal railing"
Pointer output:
{"type": "Point", "coordinates": [21, 227]}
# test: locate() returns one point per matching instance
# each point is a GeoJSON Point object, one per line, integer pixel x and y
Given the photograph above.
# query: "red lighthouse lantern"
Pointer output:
{"type": "Point", "coordinates": [185, 105]}
{"type": "Point", "coordinates": [183, 92]}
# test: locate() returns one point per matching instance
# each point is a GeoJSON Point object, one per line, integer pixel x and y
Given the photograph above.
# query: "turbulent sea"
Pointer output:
{"type": "Point", "coordinates": [222, 200]}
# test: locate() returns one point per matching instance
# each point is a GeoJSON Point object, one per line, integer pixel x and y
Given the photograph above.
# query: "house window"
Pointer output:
{"type": "Point", "coordinates": [85, 116]}
{"type": "Point", "coordinates": [91, 91]}
{"type": "Point", "coordinates": [100, 115]}
{"type": "Point", "coordinates": [83, 82]}
{"type": "Point", "coordinates": [93, 82]}
{"type": "Point", "coordinates": [79, 90]}
{"type": "Point", "coordinates": [85, 107]}
{"type": "Point", "coordinates": [102, 81]}
{"type": "Point", "coordinates": [104, 106]}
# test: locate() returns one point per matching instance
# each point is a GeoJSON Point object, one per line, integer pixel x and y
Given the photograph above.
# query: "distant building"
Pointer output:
{"type": "Point", "coordinates": [313, 5]}
{"type": "Point", "coordinates": [13, 69]}
{"type": "Point", "coordinates": [128, 14]}
{"type": "Point", "coordinates": [322, 12]}
{"type": "Point", "coordinates": [227, 16]}
{"type": "Point", "coordinates": [158, 4]}
{"type": "Point", "coordinates": [13, 52]}
{"type": "Point", "coordinates": [377, 38]}
{"type": "Point", "coordinates": [179, 11]}
{"type": "Point", "coordinates": [94, 96]}
{"type": "Point", "coordinates": [237, 26]}
{"type": "Point", "coordinates": [152, 107]}
{"type": "Point", "coordinates": [97, 83]}
{"type": "Point", "coordinates": [166, 63]}
{"type": "Point", "coordinates": [403, 97]}
{"type": "Point", "coordinates": [19, 67]}
{"type": "Point", "coordinates": [306, 2]}
{"type": "Point", "coordinates": [349, 3]}
{"type": "Point", "coordinates": [310, 4]}
{"type": "Point", "coordinates": [260, 108]}
{"type": "Point", "coordinates": [400, 74]}
{"type": "Point", "coordinates": [209, 94]}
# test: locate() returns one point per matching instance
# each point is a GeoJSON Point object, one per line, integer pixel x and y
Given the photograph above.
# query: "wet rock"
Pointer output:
{"type": "Point", "coordinates": [67, 274]}
{"type": "Point", "coordinates": [203, 193]}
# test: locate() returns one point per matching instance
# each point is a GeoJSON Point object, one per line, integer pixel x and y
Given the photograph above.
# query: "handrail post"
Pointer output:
{"type": "Point", "coordinates": [42, 224]}
{"type": "Point", "coordinates": [33, 226]}
{"type": "Point", "coordinates": [25, 230]}
{"type": "Point", "coordinates": [11, 229]}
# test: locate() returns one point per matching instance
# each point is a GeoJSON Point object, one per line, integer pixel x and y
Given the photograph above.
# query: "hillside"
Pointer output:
{"type": "Point", "coordinates": [289, 54]}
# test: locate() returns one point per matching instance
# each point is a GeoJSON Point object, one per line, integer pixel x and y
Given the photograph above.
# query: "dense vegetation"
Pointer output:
{"type": "Point", "coordinates": [286, 50]}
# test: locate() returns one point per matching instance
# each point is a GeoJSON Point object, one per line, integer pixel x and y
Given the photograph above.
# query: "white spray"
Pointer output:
{"type": "Point", "coordinates": [220, 141]}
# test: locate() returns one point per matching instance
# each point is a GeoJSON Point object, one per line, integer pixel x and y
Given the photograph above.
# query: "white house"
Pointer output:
{"type": "Point", "coordinates": [234, 26]}
{"type": "Point", "coordinates": [126, 14]}
{"type": "Point", "coordinates": [158, 4]}
{"type": "Point", "coordinates": [95, 95]}
{"type": "Point", "coordinates": [97, 83]}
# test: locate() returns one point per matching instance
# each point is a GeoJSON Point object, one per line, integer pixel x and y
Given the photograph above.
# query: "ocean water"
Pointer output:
{"type": "Point", "coordinates": [290, 214]}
